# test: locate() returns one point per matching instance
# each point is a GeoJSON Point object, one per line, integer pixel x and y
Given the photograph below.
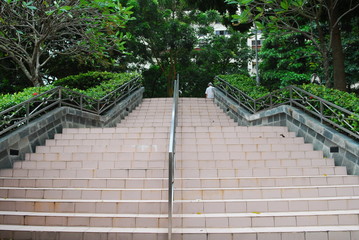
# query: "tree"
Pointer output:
{"type": "Point", "coordinates": [287, 59]}
{"type": "Point", "coordinates": [34, 32]}
{"type": "Point", "coordinates": [162, 37]}
{"type": "Point", "coordinates": [324, 16]}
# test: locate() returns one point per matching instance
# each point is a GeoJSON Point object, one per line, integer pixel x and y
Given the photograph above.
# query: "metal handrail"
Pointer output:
{"type": "Point", "coordinates": [326, 112]}
{"type": "Point", "coordinates": [172, 155]}
{"type": "Point", "coordinates": [23, 113]}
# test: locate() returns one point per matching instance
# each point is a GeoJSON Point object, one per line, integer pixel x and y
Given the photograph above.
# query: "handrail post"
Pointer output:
{"type": "Point", "coordinates": [172, 156]}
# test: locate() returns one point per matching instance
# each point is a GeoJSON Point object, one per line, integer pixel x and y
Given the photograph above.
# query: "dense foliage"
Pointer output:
{"type": "Point", "coordinates": [34, 32]}
{"type": "Point", "coordinates": [345, 100]}
{"type": "Point", "coordinates": [247, 85]}
{"type": "Point", "coordinates": [287, 59]}
{"type": "Point", "coordinates": [98, 87]}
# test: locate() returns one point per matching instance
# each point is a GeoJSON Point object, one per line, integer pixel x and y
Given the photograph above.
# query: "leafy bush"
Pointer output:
{"type": "Point", "coordinates": [88, 80]}
{"type": "Point", "coordinates": [345, 100]}
{"type": "Point", "coordinates": [9, 100]}
{"type": "Point", "coordinates": [98, 91]}
{"type": "Point", "coordinates": [245, 84]}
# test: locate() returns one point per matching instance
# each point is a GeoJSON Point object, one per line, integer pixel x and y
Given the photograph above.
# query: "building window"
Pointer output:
{"type": "Point", "coordinates": [221, 32]}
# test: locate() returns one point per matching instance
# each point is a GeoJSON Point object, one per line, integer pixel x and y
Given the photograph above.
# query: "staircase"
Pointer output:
{"type": "Point", "coordinates": [232, 182]}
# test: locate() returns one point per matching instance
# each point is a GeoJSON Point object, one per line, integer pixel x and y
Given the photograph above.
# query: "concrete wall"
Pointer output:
{"type": "Point", "coordinates": [15, 145]}
{"type": "Point", "coordinates": [344, 150]}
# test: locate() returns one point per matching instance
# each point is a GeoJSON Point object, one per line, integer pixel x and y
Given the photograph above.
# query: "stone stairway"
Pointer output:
{"type": "Point", "coordinates": [256, 183]}
{"type": "Point", "coordinates": [232, 182]}
{"type": "Point", "coordinates": [93, 183]}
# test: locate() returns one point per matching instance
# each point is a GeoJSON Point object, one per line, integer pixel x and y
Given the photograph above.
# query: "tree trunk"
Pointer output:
{"type": "Point", "coordinates": [337, 48]}
{"type": "Point", "coordinates": [338, 60]}
{"type": "Point", "coordinates": [325, 56]}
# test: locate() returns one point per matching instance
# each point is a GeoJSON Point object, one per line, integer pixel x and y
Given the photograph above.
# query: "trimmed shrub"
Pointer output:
{"type": "Point", "coordinates": [97, 91]}
{"type": "Point", "coordinates": [245, 84]}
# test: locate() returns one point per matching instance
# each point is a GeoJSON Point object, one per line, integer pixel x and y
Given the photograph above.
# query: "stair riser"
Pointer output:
{"type": "Point", "coordinates": [225, 164]}
{"type": "Point", "coordinates": [193, 194]}
{"type": "Point", "coordinates": [190, 207]}
{"type": "Point", "coordinates": [188, 164]}
{"type": "Point", "coordinates": [186, 183]}
{"type": "Point", "coordinates": [158, 172]}
{"type": "Point", "coordinates": [184, 222]}
{"type": "Point", "coordinates": [85, 183]}
{"type": "Point", "coordinates": [129, 235]}
{"type": "Point", "coordinates": [116, 155]}
{"type": "Point", "coordinates": [87, 173]}
{"type": "Point", "coordinates": [108, 207]}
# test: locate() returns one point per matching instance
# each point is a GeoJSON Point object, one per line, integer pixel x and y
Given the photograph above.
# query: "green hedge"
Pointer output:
{"type": "Point", "coordinates": [245, 84]}
{"type": "Point", "coordinates": [9, 100]}
{"type": "Point", "coordinates": [98, 84]}
{"type": "Point", "coordinates": [345, 100]}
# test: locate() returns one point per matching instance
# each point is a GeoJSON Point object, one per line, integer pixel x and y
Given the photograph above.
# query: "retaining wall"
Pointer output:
{"type": "Point", "coordinates": [15, 145]}
{"type": "Point", "coordinates": [344, 150]}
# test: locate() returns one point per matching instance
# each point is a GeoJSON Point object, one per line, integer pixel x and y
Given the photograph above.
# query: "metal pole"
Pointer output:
{"type": "Point", "coordinates": [256, 45]}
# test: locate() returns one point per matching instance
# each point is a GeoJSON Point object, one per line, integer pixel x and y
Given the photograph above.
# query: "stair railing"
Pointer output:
{"type": "Point", "coordinates": [23, 113]}
{"type": "Point", "coordinates": [326, 112]}
{"type": "Point", "coordinates": [172, 155]}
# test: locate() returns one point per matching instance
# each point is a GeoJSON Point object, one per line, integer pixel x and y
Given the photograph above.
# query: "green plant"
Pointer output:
{"type": "Point", "coordinates": [97, 91]}
{"type": "Point", "coordinates": [9, 100]}
{"type": "Point", "coordinates": [245, 84]}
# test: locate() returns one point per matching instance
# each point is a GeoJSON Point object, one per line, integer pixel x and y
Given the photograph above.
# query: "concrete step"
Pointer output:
{"type": "Point", "coordinates": [84, 193]}
{"type": "Point", "coordinates": [98, 156]}
{"type": "Point", "coordinates": [145, 172]}
{"type": "Point", "coordinates": [254, 163]}
{"type": "Point", "coordinates": [84, 206]}
{"type": "Point", "coordinates": [234, 220]}
{"type": "Point", "coordinates": [131, 183]}
{"type": "Point", "coordinates": [103, 148]}
{"type": "Point", "coordinates": [106, 233]}
{"type": "Point", "coordinates": [248, 155]}
{"type": "Point", "coordinates": [197, 206]}
{"type": "Point", "coordinates": [97, 136]}
{"type": "Point", "coordinates": [135, 183]}
{"type": "Point", "coordinates": [261, 172]}
{"type": "Point", "coordinates": [107, 142]}
{"type": "Point", "coordinates": [148, 169]}
{"type": "Point", "coordinates": [180, 193]}
{"type": "Point", "coordinates": [117, 130]}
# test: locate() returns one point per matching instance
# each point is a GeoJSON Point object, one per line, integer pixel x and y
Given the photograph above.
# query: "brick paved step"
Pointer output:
{"type": "Point", "coordinates": [217, 143]}
{"type": "Point", "coordinates": [108, 142]}
{"type": "Point", "coordinates": [103, 148]}
{"type": "Point", "coordinates": [98, 156]}
{"type": "Point", "coordinates": [131, 183]}
{"type": "Point", "coordinates": [184, 194]}
{"type": "Point", "coordinates": [261, 172]}
{"type": "Point", "coordinates": [145, 172]}
{"type": "Point", "coordinates": [220, 164]}
{"type": "Point", "coordinates": [225, 182]}
{"type": "Point", "coordinates": [248, 155]}
{"type": "Point", "coordinates": [158, 163]}
{"type": "Point", "coordinates": [196, 206]}
{"type": "Point", "coordinates": [84, 193]}
{"type": "Point", "coordinates": [106, 233]}
{"type": "Point", "coordinates": [117, 130]}
{"type": "Point", "coordinates": [200, 148]}
{"type": "Point", "coordinates": [234, 220]}
{"type": "Point", "coordinates": [157, 171]}
{"type": "Point", "coordinates": [84, 206]}
{"type": "Point", "coordinates": [97, 136]}
{"type": "Point", "coordinates": [115, 154]}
